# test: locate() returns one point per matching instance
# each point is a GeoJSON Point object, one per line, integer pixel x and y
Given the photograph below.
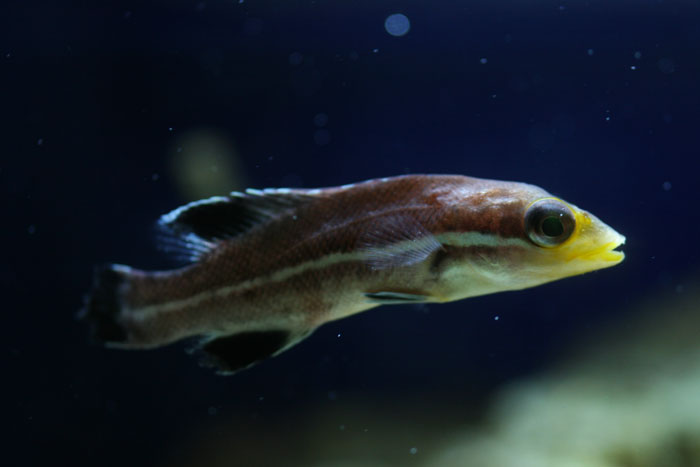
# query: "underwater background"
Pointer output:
{"type": "Point", "coordinates": [117, 112]}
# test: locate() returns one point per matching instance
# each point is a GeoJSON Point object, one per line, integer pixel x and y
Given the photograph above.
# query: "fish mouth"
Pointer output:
{"type": "Point", "coordinates": [608, 252]}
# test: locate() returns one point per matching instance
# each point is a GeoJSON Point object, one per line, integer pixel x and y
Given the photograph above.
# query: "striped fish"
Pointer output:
{"type": "Point", "coordinates": [268, 267]}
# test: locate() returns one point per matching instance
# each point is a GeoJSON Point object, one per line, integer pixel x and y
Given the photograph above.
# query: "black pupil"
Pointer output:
{"type": "Point", "coordinates": [552, 226]}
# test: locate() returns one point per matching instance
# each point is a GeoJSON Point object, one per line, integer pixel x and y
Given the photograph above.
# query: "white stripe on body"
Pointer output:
{"type": "Point", "coordinates": [449, 238]}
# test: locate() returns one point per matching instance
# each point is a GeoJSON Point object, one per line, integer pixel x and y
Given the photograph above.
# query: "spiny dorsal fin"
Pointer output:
{"type": "Point", "coordinates": [192, 230]}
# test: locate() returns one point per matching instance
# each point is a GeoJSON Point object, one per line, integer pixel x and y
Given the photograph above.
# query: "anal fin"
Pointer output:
{"type": "Point", "coordinates": [235, 352]}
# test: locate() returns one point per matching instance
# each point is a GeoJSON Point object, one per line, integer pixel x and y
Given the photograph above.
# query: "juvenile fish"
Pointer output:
{"type": "Point", "coordinates": [270, 266]}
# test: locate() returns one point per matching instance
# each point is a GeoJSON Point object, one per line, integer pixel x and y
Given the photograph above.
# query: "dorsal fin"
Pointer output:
{"type": "Point", "coordinates": [192, 230]}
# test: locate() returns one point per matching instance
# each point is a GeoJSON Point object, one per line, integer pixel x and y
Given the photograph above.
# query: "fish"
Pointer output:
{"type": "Point", "coordinates": [265, 268]}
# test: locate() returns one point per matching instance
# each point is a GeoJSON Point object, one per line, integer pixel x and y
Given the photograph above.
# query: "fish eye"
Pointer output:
{"type": "Point", "coordinates": [549, 222]}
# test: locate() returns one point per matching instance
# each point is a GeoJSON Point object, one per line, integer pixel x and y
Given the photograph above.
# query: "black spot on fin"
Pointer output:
{"type": "Point", "coordinates": [388, 298]}
{"type": "Point", "coordinates": [192, 230]}
{"type": "Point", "coordinates": [398, 241]}
{"type": "Point", "coordinates": [229, 354]}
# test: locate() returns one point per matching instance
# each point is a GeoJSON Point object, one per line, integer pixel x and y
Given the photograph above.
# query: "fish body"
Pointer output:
{"type": "Point", "coordinates": [270, 266]}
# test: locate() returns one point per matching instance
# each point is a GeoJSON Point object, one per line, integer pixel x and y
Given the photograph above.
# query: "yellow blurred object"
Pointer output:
{"type": "Point", "coordinates": [204, 163]}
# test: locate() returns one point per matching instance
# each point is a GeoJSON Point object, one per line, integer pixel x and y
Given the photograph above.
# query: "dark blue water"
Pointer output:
{"type": "Point", "coordinates": [596, 101]}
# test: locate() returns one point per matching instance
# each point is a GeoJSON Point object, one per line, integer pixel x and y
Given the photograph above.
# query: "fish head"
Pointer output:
{"type": "Point", "coordinates": [525, 237]}
{"type": "Point", "coordinates": [563, 240]}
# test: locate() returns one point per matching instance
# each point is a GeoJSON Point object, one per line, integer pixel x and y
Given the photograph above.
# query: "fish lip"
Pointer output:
{"type": "Point", "coordinates": [607, 252]}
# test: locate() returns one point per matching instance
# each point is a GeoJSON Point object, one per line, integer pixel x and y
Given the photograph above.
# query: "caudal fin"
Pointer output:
{"type": "Point", "coordinates": [104, 305]}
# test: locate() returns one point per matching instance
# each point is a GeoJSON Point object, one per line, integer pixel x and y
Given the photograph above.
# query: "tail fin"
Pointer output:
{"type": "Point", "coordinates": [104, 304]}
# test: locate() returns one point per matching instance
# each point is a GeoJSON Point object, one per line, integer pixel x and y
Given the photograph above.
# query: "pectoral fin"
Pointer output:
{"type": "Point", "coordinates": [229, 354]}
{"type": "Point", "coordinates": [389, 298]}
{"type": "Point", "coordinates": [397, 241]}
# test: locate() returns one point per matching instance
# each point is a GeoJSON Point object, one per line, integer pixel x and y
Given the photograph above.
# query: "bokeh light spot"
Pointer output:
{"type": "Point", "coordinates": [397, 25]}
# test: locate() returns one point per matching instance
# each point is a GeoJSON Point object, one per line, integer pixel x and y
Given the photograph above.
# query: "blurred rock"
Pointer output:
{"type": "Point", "coordinates": [628, 398]}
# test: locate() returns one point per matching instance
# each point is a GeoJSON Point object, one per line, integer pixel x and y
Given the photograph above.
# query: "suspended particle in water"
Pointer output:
{"type": "Point", "coordinates": [667, 186]}
{"type": "Point", "coordinates": [295, 58]}
{"type": "Point", "coordinates": [666, 65]}
{"type": "Point", "coordinates": [252, 26]}
{"type": "Point", "coordinates": [413, 450]}
{"type": "Point", "coordinates": [483, 60]}
{"type": "Point", "coordinates": [590, 52]}
{"type": "Point", "coordinates": [320, 119]}
{"type": "Point", "coordinates": [397, 25]}
{"type": "Point", "coordinates": [637, 55]}
{"type": "Point", "coordinates": [322, 137]}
